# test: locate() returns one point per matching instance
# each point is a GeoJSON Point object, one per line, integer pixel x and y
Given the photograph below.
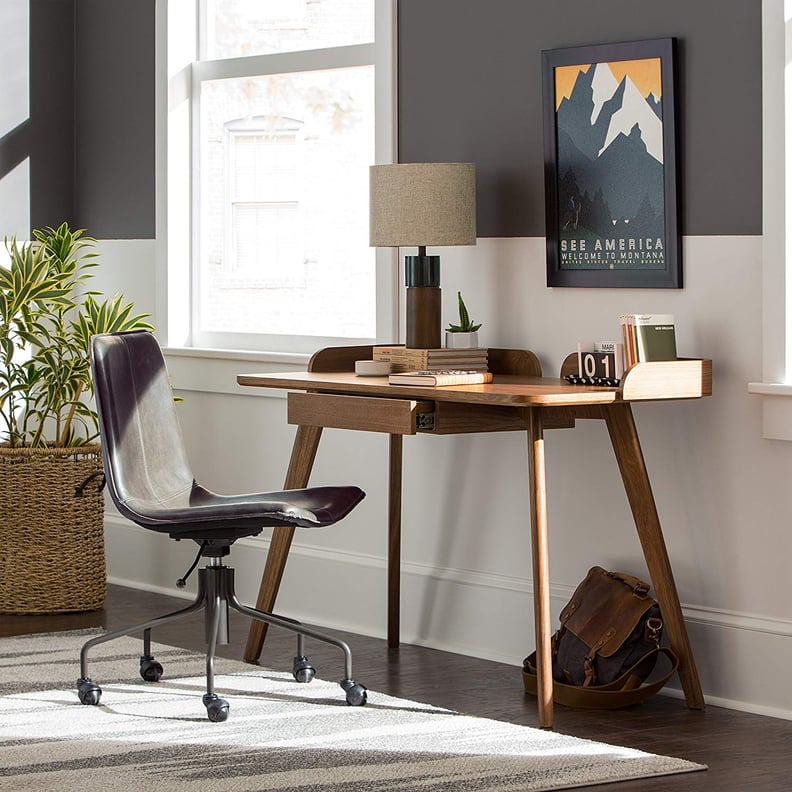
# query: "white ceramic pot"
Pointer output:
{"type": "Point", "coordinates": [461, 340]}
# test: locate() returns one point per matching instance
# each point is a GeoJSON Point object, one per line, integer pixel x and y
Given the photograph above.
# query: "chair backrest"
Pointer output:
{"type": "Point", "coordinates": [142, 446]}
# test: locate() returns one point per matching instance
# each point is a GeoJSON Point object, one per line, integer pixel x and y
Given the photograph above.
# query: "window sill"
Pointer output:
{"type": "Point", "coordinates": [770, 389]}
{"type": "Point", "coordinates": [776, 409]}
{"type": "Point", "coordinates": [285, 358]}
{"type": "Point", "coordinates": [215, 370]}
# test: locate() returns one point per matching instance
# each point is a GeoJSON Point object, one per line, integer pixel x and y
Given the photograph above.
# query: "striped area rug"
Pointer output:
{"type": "Point", "coordinates": [280, 735]}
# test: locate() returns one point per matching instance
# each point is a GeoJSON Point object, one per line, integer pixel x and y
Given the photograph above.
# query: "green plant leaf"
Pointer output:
{"type": "Point", "coordinates": [47, 319]}
{"type": "Point", "coordinates": [465, 325]}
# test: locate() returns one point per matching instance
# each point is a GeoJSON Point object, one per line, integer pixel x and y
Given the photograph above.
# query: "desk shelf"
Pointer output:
{"type": "Point", "coordinates": [684, 378]}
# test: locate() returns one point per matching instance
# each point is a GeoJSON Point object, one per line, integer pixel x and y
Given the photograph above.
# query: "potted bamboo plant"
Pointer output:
{"type": "Point", "coordinates": [463, 335]}
{"type": "Point", "coordinates": [51, 505]}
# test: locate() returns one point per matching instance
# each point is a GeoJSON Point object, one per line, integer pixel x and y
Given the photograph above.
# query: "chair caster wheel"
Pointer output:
{"type": "Point", "coordinates": [150, 669]}
{"type": "Point", "coordinates": [356, 695]}
{"type": "Point", "coordinates": [216, 708]}
{"type": "Point", "coordinates": [302, 669]}
{"type": "Point", "coordinates": [88, 692]}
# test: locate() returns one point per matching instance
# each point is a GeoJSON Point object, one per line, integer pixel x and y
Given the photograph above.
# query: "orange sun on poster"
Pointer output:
{"type": "Point", "coordinates": [645, 73]}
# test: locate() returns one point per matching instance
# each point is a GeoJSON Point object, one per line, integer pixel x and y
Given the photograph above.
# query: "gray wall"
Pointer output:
{"type": "Point", "coordinates": [90, 135]}
{"type": "Point", "coordinates": [47, 136]}
{"type": "Point", "coordinates": [470, 90]}
{"type": "Point", "coordinates": [51, 140]}
{"type": "Point", "coordinates": [114, 153]}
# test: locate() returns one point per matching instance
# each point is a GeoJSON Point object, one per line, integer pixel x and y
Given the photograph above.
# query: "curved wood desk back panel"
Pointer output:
{"type": "Point", "coordinates": [500, 361]}
{"type": "Point", "coordinates": [338, 358]}
{"type": "Point", "coordinates": [514, 361]}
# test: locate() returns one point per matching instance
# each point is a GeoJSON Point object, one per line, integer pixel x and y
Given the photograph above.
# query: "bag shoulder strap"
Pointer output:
{"type": "Point", "coordinates": [619, 693]}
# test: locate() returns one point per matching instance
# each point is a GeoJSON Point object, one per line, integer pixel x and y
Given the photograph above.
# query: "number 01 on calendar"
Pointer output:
{"type": "Point", "coordinates": [597, 364]}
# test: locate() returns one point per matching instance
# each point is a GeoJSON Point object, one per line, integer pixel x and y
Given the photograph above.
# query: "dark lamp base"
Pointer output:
{"type": "Point", "coordinates": [423, 317]}
{"type": "Point", "coordinates": [421, 270]}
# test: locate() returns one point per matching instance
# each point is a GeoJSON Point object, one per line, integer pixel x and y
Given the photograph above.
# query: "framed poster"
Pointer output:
{"type": "Point", "coordinates": [611, 201]}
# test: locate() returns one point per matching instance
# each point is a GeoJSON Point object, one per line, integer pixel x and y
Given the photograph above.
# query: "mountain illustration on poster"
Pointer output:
{"type": "Point", "coordinates": [610, 165]}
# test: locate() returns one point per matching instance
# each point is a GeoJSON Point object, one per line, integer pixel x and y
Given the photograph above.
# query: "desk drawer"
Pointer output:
{"type": "Point", "coordinates": [394, 416]}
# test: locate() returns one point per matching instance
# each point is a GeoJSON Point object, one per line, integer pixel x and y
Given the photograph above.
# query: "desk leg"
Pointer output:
{"type": "Point", "coordinates": [541, 573]}
{"type": "Point", "coordinates": [627, 448]}
{"type": "Point", "coordinates": [394, 539]}
{"type": "Point", "coordinates": [306, 442]}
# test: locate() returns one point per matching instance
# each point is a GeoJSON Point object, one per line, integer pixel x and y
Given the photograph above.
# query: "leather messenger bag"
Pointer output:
{"type": "Point", "coordinates": [607, 645]}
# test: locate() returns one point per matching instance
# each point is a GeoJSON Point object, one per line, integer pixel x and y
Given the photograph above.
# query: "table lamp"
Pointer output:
{"type": "Point", "coordinates": [420, 204]}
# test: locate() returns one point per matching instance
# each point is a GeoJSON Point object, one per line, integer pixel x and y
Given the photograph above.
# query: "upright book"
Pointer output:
{"type": "Point", "coordinates": [648, 337]}
{"type": "Point", "coordinates": [628, 336]}
{"type": "Point", "coordinates": [445, 377]}
{"type": "Point", "coordinates": [655, 337]}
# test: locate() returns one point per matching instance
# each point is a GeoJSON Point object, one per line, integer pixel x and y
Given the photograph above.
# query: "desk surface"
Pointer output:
{"type": "Point", "coordinates": [672, 379]}
{"type": "Point", "coordinates": [505, 389]}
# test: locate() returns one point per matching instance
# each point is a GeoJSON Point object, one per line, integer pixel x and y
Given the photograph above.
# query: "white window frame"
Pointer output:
{"type": "Point", "coordinates": [177, 67]}
{"type": "Point", "coordinates": [776, 385]}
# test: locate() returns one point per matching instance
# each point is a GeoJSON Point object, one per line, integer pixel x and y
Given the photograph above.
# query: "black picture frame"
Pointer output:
{"type": "Point", "coordinates": [610, 157]}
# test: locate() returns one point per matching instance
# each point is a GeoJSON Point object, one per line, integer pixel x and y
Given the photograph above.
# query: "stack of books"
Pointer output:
{"type": "Point", "coordinates": [648, 337]}
{"type": "Point", "coordinates": [403, 359]}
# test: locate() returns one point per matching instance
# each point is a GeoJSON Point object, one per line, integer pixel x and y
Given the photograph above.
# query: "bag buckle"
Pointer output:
{"type": "Point", "coordinates": [654, 627]}
{"type": "Point", "coordinates": [638, 587]}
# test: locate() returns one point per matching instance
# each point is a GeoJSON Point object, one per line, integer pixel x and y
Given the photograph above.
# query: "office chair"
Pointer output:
{"type": "Point", "coordinates": [150, 481]}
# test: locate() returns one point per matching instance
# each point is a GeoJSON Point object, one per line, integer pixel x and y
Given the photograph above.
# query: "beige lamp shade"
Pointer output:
{"type": "Point", "coordinates": [422, 204]}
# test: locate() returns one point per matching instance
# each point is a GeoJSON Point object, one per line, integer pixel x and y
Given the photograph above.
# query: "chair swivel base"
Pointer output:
{"type": "Point", "coordinates": [215, 595]}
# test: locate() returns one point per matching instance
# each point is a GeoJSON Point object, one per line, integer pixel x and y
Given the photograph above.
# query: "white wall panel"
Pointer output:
{"type": "Point", "coordinates": [721, 490]}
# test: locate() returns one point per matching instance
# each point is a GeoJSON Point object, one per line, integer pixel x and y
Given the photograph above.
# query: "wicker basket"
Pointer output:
{"type": "Point", "coordinates": [52, 555]}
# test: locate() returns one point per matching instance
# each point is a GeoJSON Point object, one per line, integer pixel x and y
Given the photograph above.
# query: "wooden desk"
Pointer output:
{"type": "Point", "coordinates": [519, 399]}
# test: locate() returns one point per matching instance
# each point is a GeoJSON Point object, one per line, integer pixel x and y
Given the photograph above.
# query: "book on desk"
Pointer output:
{"type": "Point", "coordinates": [648, 338]}
{"type": "Point", "coordinates": [441, 377]}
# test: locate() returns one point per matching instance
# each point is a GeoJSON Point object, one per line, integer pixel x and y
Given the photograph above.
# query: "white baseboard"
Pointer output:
{"type": "Point", "coordinates": [741, 658]}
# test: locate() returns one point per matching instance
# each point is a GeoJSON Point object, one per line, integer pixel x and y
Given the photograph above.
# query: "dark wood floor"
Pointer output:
{"type": "Point", "coordinates": [743, 751]}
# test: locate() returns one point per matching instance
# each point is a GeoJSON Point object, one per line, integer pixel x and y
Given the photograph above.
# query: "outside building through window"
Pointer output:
{"type": "Point", "coordinates": [283, 150]}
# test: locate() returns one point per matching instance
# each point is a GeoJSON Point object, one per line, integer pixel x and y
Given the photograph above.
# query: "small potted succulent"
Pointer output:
{"type": "Point", "coordinates": [463, 335]}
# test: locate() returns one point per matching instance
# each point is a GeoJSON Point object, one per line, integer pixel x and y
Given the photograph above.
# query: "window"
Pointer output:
{"type": "Point", "coordinates": [14, 113]}
{"type": "Point", "coordinates": [271, 130]}
{"type": "Point", "coordinates": [261, 191]}
{"type": "Point", "coordinates": [776, 207]}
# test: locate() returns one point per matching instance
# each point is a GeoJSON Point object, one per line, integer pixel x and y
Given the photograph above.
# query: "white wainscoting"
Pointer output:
{"type": "Point", "coordinates": [463, 611]}
{"type": "Point", "coordinates": [722, 491]}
